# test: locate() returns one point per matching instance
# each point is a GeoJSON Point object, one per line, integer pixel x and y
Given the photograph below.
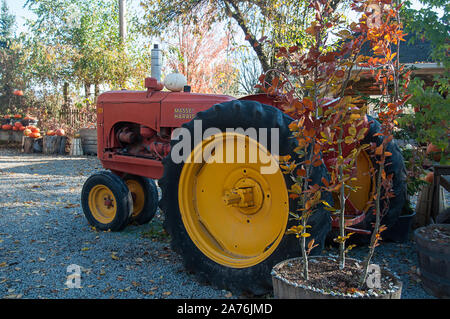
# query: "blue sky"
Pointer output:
{"type": "Point", "coordinates": [16, 7]}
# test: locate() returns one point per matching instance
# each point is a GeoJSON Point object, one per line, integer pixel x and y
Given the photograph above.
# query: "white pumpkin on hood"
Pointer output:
{"type": "Point", "coordinates": [175, 82]}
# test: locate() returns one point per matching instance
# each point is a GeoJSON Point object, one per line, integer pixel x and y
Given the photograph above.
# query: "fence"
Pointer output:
{"type": "Point", "coordinates": [77, 118]}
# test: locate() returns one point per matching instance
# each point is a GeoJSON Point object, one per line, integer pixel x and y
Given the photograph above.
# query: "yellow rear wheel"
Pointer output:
{"type": "Point", "coordinates": [228, 220]}
{"type": "Point", "coordinates": [234, 214]}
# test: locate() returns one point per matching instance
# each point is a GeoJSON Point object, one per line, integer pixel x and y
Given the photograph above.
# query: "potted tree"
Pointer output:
{"type": "Point", "coordinates": [322, 126]}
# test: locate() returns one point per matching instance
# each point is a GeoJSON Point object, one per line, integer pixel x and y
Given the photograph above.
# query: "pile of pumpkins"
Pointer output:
{"type": "Point", "coordinates": [34, 132]}
{"type": "Point", "coordinates": [18, 126]}
{"type": "Point", "coordinates": [29, 130]}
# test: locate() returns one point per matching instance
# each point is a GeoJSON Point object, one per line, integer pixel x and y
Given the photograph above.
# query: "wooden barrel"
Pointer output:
{"type": "Point", "coordinates": [434, 261]}
{"type": "Point", "coordinates": [32, 145]}
{"type": "Point", "coordinates": [423, 207]}
{"type": "Point", "coordinates": [54, 145]}
{"type": "Point", "coordinates": [89, 141]}
{"type": "Point", "coordinates": [4, 135]}
{"type": "Point", "coordinates": [16, 136]}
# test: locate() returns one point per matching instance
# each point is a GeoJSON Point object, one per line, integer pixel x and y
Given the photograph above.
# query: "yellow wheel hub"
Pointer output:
{"type": "Point", "coordinates": [363, 182]}
{"type": "Point", "coordinates": [102, 204]}
{"type": "Point", "coordinates": [138, 195]}
{"type": "Point", "coordinates": [234, 214]}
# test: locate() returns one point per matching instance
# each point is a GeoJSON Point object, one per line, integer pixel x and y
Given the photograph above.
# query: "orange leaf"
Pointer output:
{"type": "Point", "coordinates": [316, 148]}
{"type": "Point", "coordinates": [317, 163]}
{"type": "Point", "coordinates": [293, 196]}
{"type": "Point", "coordinates": [340, 73]}
{"type": "Point", "coordinates": [308, 103]}
{"type": "Point", "coordinates": [301, 172]}
{"type": "Point", "coordinates": [379, 150]}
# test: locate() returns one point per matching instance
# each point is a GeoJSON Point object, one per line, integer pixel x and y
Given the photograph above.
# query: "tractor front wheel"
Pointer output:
{"type": "Point", "coordinates": [106, 201]}
{"type": "Point", "coordinates": [145, 198]}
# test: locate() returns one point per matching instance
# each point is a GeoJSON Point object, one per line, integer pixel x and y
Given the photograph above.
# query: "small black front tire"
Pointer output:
{"type": "Point", "coordinates": [112, 215]}
{"type": "Point", "coordinates": [149, 202]}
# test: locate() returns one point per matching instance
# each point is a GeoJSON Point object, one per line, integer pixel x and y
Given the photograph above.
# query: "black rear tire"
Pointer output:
{"type": "Point", "coordinates": [394, 165]}
{"type": "Point", "coordinates": [255, 279]}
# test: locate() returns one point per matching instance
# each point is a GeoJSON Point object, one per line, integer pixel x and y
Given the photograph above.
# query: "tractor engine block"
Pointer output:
{"type": "Point", "coordinates": [142, 141]}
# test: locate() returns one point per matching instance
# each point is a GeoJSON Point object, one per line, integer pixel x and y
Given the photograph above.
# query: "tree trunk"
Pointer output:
{"type": "Point", "coordinates": [96, 92]}
{"type": "Point", "coordinates": [236, 14]}
{"type": "Point", "coordinates": [66, 93]}
{"type": "Point", "coordinates": [87, 90]}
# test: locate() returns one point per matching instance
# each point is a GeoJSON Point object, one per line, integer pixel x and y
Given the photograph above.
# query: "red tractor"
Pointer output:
{"type": "Point", "coordinates": [227, 219]}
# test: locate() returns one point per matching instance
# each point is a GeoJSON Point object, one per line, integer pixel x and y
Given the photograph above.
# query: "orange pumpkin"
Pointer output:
{"type": "Point", "coordinates": [6, 117]}
{"type": "Point", "coordinates": [430, 177]}
{"type": "Point", "coordinates": [18, 92]}
{"type": "Point", "coordinates": [15, 128]}
{"type": "Point", "coordinates": [434, 152]}
{"type": "Point", "coordinates": [17, 116]}
{"type": "Point", "coordinates": [18, 124]}
{"type": "Point", "coordinates": [27, 132]}
{"type": "Point", "coordinates": [35, 135]}
{"type": "Point", "coordinates": [6, 127]}
{"type": "Point", "coordinates": [22, 128]}
{"type": "Point", "coordinates": [35, 130]}
{"type": "Point", "coordinates": [50, 133]}
{"type": "Point", "coordinates": [60, 132]}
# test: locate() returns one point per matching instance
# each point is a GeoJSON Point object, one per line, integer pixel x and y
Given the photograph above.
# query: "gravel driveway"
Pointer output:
{"type": "Point", "coordinates": [43, 231]}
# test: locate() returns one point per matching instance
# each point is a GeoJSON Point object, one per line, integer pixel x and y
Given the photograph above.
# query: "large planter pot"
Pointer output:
{"type": "Point", "coordinates": [433, 253]}
{"type": "Point", "coordinates": [400, 231]}
{"type": "Point", "coordinates": [287, 289]}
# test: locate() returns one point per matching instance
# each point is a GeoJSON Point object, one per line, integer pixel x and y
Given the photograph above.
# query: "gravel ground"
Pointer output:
{"type": "Point", "coordinates": [43, 231]}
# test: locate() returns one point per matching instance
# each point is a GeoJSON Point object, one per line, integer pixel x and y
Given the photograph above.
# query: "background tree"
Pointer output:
{"type": "Point", "coordinates": [79, 41]}
{"type": "Point", "coordinates": [12, 64]}
{"type": "Point", "coordinates": [280, 22]}
{"type": "Point", "coordinates": [202, 56]}
{"type": "Point", "coordinates": [430, 121]}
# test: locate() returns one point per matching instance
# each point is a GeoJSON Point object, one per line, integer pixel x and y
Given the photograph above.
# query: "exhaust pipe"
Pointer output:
{"type": "Point", "coordinates": [156, 60]}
